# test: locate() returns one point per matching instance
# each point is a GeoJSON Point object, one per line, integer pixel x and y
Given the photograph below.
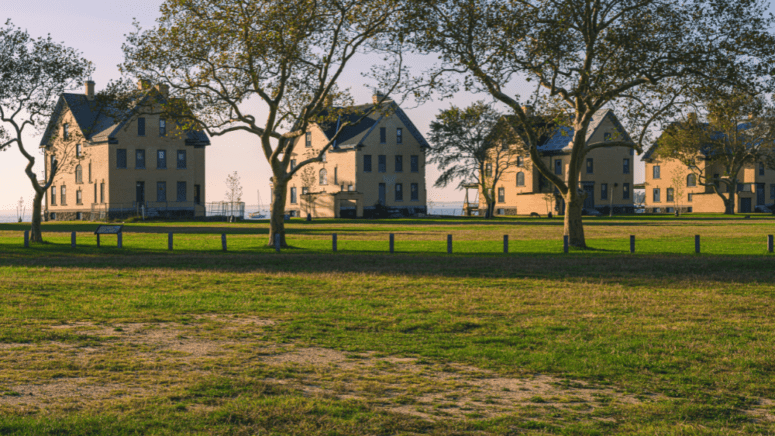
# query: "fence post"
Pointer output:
{"type": "Point", "coordinates": [696, 243]}
{"type": "Point", "coordinates": [98, 240]}
{"type": "Point", "coordinates": [169, 241]}
{"type": "Point", "coordinates": [505, 244]}
{"type": "Point", "coordinates": [333, 242]}
{"type": "Point", "coordinates": [565, 244]}
{"type": "Point", "coordinates": [449, 244]}
{"type": "Point", "coordinates": [392, 243]}
{"type": "Point", "coordinates": [223, 241]}
{"type": "Point", "coordinates": [26, 239]}
{"type": "Point", "coordinates": [120, 240]}
{"type": "Point", "coordinates": [72, 240]}
{"type": "Point", "coordinates": [769, 243]}
{"type": "Point", "coordinates": [277, 242]}
{"type": "Point", "coordinates": [632, 243]}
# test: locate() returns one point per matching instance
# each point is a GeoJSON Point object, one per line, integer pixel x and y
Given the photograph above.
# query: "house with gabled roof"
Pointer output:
{"type": "Point", "coordinates": [606, 175]}
{"type": "Point", "coordinates": [376, 165]}
{"type": "Point", "coordinates": [127, 161]}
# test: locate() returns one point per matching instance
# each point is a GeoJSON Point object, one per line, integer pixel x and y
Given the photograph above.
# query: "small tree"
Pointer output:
{"type": "Point", "coordinates": [233, 188]}
{"type": "Point", "coordinates": [307, 182]}
{"type": "Point", "coordinates": [469, 145]}
{"type": "Point", "coordinates": [739, 131]}
{"type": "Point", "coordinates": [33, 75]}
{"type": "Point", "coordinates": [678, 183]}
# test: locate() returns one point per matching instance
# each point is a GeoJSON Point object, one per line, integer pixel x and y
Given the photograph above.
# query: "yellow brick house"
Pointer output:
{"type": "Point", "coordinates": [124, 165]}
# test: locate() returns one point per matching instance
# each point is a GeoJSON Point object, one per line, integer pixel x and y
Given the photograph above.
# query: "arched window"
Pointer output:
{"type": "Point", "coordinates": [691, 180]}
{"type": "Point", "coordinates": [520, 179]}
{"type": "Point", "coordinates": [78, 174]}
{"type": "Point", "coordinates": [323, 177]}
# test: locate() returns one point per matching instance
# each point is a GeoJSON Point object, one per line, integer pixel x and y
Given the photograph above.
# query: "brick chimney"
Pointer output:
{"type": "Point", "coordinates": [528, 110]}
{"type": "Point", "coordinates": [89, 85]}
{"type": "Point", "coordinates": [143, 84]}
{"type": "Point", "coordinates": [379, 96]}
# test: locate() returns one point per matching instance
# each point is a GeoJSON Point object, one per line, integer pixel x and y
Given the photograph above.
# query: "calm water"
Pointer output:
{"type": "Point", "coordinates": [439, 208]}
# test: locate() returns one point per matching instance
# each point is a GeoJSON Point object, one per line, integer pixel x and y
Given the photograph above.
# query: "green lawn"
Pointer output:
{"type": "Point", "coordinates": [198, 341]}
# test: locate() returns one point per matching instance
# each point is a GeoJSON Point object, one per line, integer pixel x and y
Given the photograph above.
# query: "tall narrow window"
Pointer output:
{"type": "Point", "coordinates": [336, 176]}
{"type": "Point", "coordinates": [604, 191]}
{"type": "Point", "coordinates": [501, 195]}
{"type": "Point", "coordinates": [293, 164]}
{"type": "Point", "coordinates": [520, 179]}
{"type": "Point", "coordinates": [102, 192]}
{"type": "Point", "coordinates": [161, 159]}
{"type": "Point", "coordinates": [415, 192]}
{"type": "Point", "coordinates": [399, 164]}
{"type": "Point", "coordinates": [197, 194]}
{"type": "Point", "coordinates": [761, 168]}
{"type": "Point", "coordinates": [656, 195]}
{"type": "Point", "coordinates": [95, 193]}
{"type": "Point", "coordinates": [399, 192]}
{"type": "Point", "coordinates": [414, 163]}
{"type": "Point", "coordinates": [53, 164]}
{"type": "Point", "coordinates": [590, 166]}
{"type": "Point", "coordinates": [399, 136]}
{"type": "Point", "coordinates": [78, 150]}
{"type": "Point", "coordinates": [79, 197]}
{"type": "Point", "coordinates": [161, 191]}
{"type": "Point", "coordinates": [626, 191]}
{"type": "Point", "coordinates": [366, 163]}
{"type": "Point", "coordinates": [54, 195]}
{"type": "Point", "coordinates": [670, 196]}
{"type": "Point", "coordinates": [140, 159]}
{"type": "Point", "coordinates": [626, 166]}
{"type": "Point", "coordinates": [382, 135]}
{"type": "Point", "coordinates": [520, 161]}
{"type": "Point", "coordinates": [689, 197]}
{"type": "Point", "coordinates": [78, 174]}
{"type": "Point", "coordinates": [121, 158]}
{"type": "Point", "coordinates": [90, 176]}
{"type": "Point", "coordinates": [324, 157]}
{"type": "Point", "coordinates": [181, 159]}
{"type": "Point", "coordinates": [181, 191]}
{"type": "Point", "coordinates": [488, 169]}
{"type": "Point", "coordinates": [655, 172]}
{"type": "Point", "coordinates": [63, 196]}
{"type": "Point", "coordinates": [382, 162]}
{"type": "Point", "coordinates": [141, 127]}
{"type": "Point", "coordinates": [308, 139]}
{"type": "Point", "coordinates": [691, 180]}
{"type": "Point", "coordinates": [162, 127]}
{"type": "Point", "coordinates": [65, 131]}
{"type": "Point", "coordinates": [323, 177]}
{"type": "Point", "coordinates": [558, 167]}
{"type": "Point", "coordinates": [293, 195]}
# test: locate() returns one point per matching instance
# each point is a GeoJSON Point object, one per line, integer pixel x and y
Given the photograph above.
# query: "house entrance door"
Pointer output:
{"type": "Point", "coordinates": [140, 194]}
{"type": "Point", "coordinates": [589, 188]}
{"type": "Point", "coordinates": [760, 194]}
{"type": "Point", "coordinates": [745, 205]}
{"type": "Point", "coordinates": [382, 194]}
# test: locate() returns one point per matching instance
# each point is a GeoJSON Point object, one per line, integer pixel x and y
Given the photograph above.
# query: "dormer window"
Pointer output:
{"type": "Point", "coordinates": [399, 136]}
{"type": "Point", "coordinates": [308, 139]}
{"type": "Point", "coordinates": [162, 127]}
{"type": "Point", "coordinates": [78, 150]}
{"type": "Point", "coordinates": [65, 131]}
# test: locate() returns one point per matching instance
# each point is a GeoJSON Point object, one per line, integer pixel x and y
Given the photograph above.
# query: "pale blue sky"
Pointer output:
{"type": "Point", "coordinates": [98, 28]}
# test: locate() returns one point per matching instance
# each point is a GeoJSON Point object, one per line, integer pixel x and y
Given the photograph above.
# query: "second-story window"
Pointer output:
{"type": "Point", "coordinates": [488, 169]}
{"type": "Point", "coordinates": [78, 174]}
{"type": "Point", "coordinates": [161, 159]}
{"type": "Point", "coordinates": [590, 166]}
{"type": "Point", "coordinates": [140, 159]}
{"type": "Point", "coordinates": [655, 172]}
{"type": "Point", "coordinates": [141, 127]}
{"type": "Point", "coordinates": [399, 164]}
{"type": "Point", "coordinates": [520, 161]}
{"type": "Point", "coordinates": [65, 131]}
{"type": "Point", "coordinates": [414, 163]}
{"type": "Point", "coordinates": [78, 150]}
{"type": "Point", "coordinates": [323, 177]}
{"type": "Point", "coordinates": [323, 157]}
{"type": "Point", "coordinates": [558, 167]}
{"type": "Point", "coordinates": [308, 139]}
{"type": "Point", "coordinates": [626, 166]}
{"type": "Point", "coordinates": [90, 176]}
{"type": "Point", "coordinates": [382, 135]}
{"type": "Point", "coordinates": [501, 195]}
{"type": "Point", "coordinates": [520, 179]}
{"type": "Point", "coordinates": [399, 136]}
{"type": "Point", "coordinates": [761, 168]}
{"type": "Point", "coordinates": [162, 127]}
{"type": "Point", "coordinates": [121, 158]}
{"type": "Point", "coordinates": [293, 164]}
{"type": "Point", "coordinates": [181, 159]}
{"type": "Point", "coordinates": [382, 163]}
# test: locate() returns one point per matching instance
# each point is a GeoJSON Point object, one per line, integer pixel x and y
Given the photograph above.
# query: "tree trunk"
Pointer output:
{"type": "Point", "coordinates": [574, 227]}
{"type": "Point", "coordinates": [729, 203]}
{"type": "Point", "coordinates": [490, 210]}
{"type": "Point", "coordinates": [36, 235]}
{"type": "Point", "coordinates": [277, 215]}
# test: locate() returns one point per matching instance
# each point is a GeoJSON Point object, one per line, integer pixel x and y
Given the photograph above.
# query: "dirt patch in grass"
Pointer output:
{"type": "Point", "coordinates": [138, 360]}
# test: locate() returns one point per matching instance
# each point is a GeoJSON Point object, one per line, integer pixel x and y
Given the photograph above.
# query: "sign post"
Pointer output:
{"type": "Point", "coordinates": [108, 230]}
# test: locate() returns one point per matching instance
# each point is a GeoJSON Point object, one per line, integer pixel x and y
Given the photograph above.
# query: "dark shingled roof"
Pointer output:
{"type": "Point", "coordinates": [355, 134]}
{"type": "Point", "coordinates": [98, 125]}
{"type": "Point", "coordinates": [648, 155]}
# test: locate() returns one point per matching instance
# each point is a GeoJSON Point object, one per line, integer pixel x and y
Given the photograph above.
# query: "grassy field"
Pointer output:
{"type": "Point", "coordinates": [307, 342]}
